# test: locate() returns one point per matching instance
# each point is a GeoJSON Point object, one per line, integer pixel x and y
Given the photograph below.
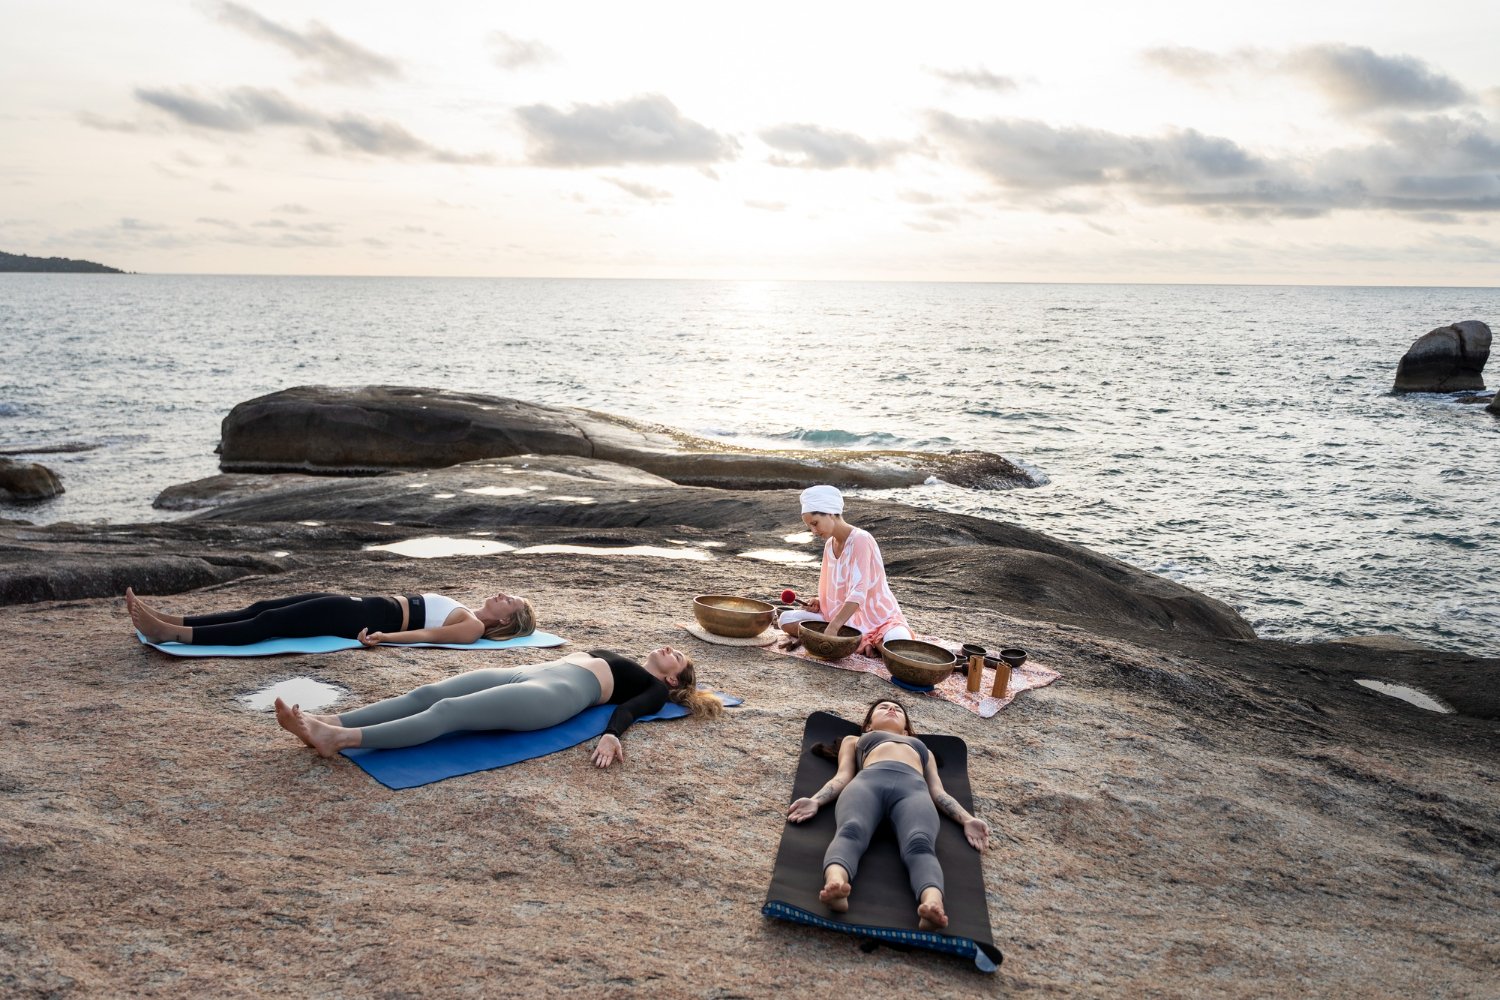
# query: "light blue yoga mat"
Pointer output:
{"type": "Point", "coordinates": [464, 753]}
{"type": "Point", "coordinates": [333, 643]}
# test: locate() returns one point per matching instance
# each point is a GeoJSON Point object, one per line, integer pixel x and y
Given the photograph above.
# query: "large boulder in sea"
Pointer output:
{"type": "Point", "coordinates": [28, 480]}
{"type": "Point", "coordinates": [369, 429]}
{"type": "Point", "coordinates": [1449, 359]}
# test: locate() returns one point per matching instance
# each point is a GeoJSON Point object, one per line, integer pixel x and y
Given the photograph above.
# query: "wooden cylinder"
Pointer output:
{"type": "Point", "coordinates": [1002, 679]}
{"type": "Point", "coordinates": [976, 672]}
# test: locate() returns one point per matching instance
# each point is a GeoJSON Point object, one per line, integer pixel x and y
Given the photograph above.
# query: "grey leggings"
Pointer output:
{"type": "Point", "coordinates": [888, 787]}
{"type": "Point", "coordinates": [526, 698]}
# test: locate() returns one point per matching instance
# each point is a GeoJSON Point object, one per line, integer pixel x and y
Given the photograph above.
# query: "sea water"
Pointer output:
{"type": "Point", "coordinates": [1242, 440]}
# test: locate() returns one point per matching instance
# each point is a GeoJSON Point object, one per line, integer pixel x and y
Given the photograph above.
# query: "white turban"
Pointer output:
{"type": "Point", "coordinates": [822, 500]}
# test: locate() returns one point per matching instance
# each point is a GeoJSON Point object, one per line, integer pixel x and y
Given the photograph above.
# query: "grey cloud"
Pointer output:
{"type": "Point", "coordinates": [510, 52]}
{"type": "Point", "coordinates": [1436, 163]}
{"type": "Point", "coordinates": [246, 109]}
{"type": "Point", "coordinates": [242, 109]}
{"type": "Point", "coordinates": [645, 192]}
{"type": "Point", "coordinates": [646, 129]}
{"type": "Point", "coordinates": [1195, 64]}
{"type": "Point", "coordinates": [1357, 79]}
{"type": "Point", "coordinates": [980, 79]}
{"type": "Point", "coordinates": [292, 208]}
{"type": "Point", "coordinates": [336, 58]}
{"type": "Point", "coordinates": [92, 120]}
{"type": "Point", "coordinates": [1025, 153]}
{"type": "Point", "coordinates": [814, 147]}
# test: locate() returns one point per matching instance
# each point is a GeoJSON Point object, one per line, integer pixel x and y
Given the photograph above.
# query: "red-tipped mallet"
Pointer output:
{"type": "Point", "coordinates": [790, 597]}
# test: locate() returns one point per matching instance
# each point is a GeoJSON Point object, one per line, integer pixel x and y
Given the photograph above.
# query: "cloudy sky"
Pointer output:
{"type": "Point", "coordinates": [1308, 142]}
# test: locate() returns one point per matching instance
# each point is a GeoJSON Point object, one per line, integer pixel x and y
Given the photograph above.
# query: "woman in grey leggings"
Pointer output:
{"type": "Point", "coordinates": [887, 771]}
{"type": "Point", "coordinates": [516, 698]}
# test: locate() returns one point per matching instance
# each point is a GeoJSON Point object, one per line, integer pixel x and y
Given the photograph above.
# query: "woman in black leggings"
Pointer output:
{"type": "Point", "coordinates": [887, 771]}
{"type": "Point", "coordinates": [371, 620]}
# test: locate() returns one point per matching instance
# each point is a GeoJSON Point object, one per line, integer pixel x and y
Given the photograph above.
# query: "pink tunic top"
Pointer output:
{"type": "Point", "coordinates": [859, 576]}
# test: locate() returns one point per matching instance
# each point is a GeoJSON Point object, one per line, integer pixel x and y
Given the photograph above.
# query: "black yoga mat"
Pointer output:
{"type": "Point", "coordinates": [882, 907]}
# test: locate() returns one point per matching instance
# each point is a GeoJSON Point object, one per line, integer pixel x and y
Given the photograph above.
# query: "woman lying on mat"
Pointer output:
{"type": "Point", "coordinates": [371, 620]}
{"type": "Point", "coordinates": [887, 772]}
{"type": "Point", "coordinates": [852, 587]}
{"type": "Point", "coordinates": [516, 698]}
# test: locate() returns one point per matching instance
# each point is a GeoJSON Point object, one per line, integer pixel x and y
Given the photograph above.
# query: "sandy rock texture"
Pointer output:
{"type": "Point", "coordinates": [362, 429]}
{"type": "Point", "coordinates": [1188, 812]}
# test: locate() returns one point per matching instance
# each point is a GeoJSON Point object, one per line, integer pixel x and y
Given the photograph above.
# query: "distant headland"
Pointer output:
{"type": "Point", "coordinates": [21, 262]}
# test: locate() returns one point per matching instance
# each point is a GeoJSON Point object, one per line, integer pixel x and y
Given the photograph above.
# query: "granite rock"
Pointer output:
{"type": "Point", "coordinates": [1449, 359]}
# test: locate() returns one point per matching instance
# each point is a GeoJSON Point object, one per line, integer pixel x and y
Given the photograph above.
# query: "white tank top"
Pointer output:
{"type": "Point", "coordinates": [438, 609]}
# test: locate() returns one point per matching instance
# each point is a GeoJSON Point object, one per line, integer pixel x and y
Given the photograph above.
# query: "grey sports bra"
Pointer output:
{"type": "Point", "coordinates": [874, 738]}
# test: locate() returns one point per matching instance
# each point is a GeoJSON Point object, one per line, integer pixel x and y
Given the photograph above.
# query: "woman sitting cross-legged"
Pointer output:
{"type": "Point", "coordinates": [515, 698]}
{"type": "Point", "coordinates": [887, 772]}
{"type": "Point", "coordinates": [371, 620]}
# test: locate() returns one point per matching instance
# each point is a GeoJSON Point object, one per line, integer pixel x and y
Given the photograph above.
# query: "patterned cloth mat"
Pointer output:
{"type": "Point", "coordinates": [767, 637]}
{"type": "Point", "coordinates": [955, 689]}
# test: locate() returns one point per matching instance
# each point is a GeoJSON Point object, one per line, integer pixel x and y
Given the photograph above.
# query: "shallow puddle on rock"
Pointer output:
{"type": "Point", "coordinates": [444, 496]}
{"type": "Point", "coordinates": [311, 524]}
{"type": "Point", "coordinates": [310, 694]}
{"type": "Point", "coordinates": [438, 546]}
{"type": "Point", "coordinates": [1407, 694]}
{"type": "Point", "coordinates": [800, 538]}
{"type": "Point", "coordinates": [572, 499]}
{"type": "Point", "coordinates": [497, 491]}
{"type": "Point", "coordinates": [280, 554]}
{"type": "Point", "coordinates": [779, 556]}
{"type": "Point", "coordinates": [651, 551]}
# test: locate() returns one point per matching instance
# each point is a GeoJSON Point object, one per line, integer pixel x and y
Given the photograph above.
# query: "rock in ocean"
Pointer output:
{"type": "Point", "coordinates": [1449, 359]}
{"type": "Point", "coordinates": [28, 480]}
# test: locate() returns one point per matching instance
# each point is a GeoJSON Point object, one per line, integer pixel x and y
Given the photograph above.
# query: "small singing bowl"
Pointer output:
{"type": "Point", "coordinates": [732, 617]}
{"type": "Point", "coordinates": [829, 647]}
{"type": "Point", "coordinates": [1014, 656]}
{"type": "Point", "coordinates": [916, 662]}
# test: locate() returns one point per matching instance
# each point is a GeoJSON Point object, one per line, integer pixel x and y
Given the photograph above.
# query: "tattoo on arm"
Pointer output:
{"type": "Point", "coordinates": [949, 807]}
{"type": "Point", "coordinates": [828, 792]}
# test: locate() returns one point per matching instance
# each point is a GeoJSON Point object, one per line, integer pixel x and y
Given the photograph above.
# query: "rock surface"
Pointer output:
{"type": "Point", "coordinates": [1185, 813]}
{"type": "Point", "coordinates": [378, 428]}
{"type": "Point", "coordinates": [1449, 359]}
{"type": "Point", "coordinates": [28, 480]}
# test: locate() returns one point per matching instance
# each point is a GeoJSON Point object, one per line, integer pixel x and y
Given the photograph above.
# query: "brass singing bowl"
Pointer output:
{"type": "Point", "coordinates": [829, 647]}
{"type": "Point", "coordinates": [732, 617]}
{"type": "Point", "coordinates": [916, 662]}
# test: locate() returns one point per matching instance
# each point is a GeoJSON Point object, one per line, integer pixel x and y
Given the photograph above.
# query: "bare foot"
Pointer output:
{"type": "Point", "coordinates": [293, 721]}
{"type": "Point", "coordinates": [327, 739]}
{"type": "Point", "coordinates": [835, 893]}
{"type": "Point", "coordinates": [930, 913]}
{"type": "Point", "coordinates": [132, 599]}
{"type": "Point", "coordinates": [153, 628]}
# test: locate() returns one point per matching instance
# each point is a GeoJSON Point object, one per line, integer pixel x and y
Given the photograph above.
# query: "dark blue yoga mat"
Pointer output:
{"type": "Point", "coordinates": [464, 753]}
{"type": "Point", "coordinates": [333, 643]}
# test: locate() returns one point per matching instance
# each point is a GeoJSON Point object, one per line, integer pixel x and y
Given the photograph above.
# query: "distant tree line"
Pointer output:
{"type": "Point", "coordinates": [21, 262]}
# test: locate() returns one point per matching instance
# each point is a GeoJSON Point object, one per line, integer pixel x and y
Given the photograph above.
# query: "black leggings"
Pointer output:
{"type": "Point", "coordinates": [296, 618]}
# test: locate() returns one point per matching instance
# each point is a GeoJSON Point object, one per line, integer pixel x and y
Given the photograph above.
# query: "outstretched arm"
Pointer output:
{"type": "Point", "coordinates": [466, 631]}
{"type": "Point", "coordinates": [807, 808]}
{"type": "Point", "coordinates": [976, 830]}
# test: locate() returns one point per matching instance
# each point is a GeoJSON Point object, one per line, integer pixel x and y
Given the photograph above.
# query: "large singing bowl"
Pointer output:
{"type": "Point", "coordinates": [732, 617]}
{"type": "Point", "coordinates": [815, 637]}
{"type": "Point", "coordinates": [916, 662]}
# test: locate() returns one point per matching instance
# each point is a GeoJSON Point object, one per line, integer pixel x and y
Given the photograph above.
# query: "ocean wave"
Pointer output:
{"type": "Point", "coordinates": [836, 438]}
